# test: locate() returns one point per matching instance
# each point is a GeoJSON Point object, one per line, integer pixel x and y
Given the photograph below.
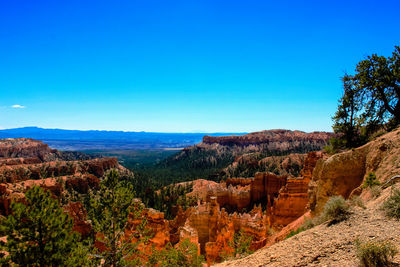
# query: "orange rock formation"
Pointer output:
{"type": "Point", "coordinates": [293, 197]}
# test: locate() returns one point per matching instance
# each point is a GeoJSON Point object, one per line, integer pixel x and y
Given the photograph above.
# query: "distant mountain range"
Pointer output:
{"type": "Point", "coordinates": [76, 140]}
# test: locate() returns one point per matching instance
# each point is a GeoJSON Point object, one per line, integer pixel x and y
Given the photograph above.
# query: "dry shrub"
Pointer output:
{"type": "Point", "coordinates": [335, 210]}
{"type": "Point", "coordinates": [357, 201]}
{"type": "Point", "coordinates": [376, 191]}
{"type": "Point", "coordinates": [375, 253]}
{"type": "Point", "coordinates": [392, 205]}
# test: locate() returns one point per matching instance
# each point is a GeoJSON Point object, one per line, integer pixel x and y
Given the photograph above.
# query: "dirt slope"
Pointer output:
{"type": "Point", "coordinates": [329, 246]}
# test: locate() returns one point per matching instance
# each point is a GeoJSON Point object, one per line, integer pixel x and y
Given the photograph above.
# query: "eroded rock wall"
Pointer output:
{"type": "Point", "coordinates": [344, 173]}
{"type": "Point", "coordinates": [293, 197]}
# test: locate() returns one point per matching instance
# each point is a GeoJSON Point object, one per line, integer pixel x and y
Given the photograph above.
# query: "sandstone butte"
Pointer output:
{"type": "Point", "coordinates": [224, 208]}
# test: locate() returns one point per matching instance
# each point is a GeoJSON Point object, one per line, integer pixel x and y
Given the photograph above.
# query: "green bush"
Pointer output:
{"type": "Point", "coordinates": [335, 210]}
{"type": "Point", "coordinates": [392, 205]}
{"type": "Point", "coordinates": [375, 253]}
{"type": "Point", "coordinates": [371, 180]}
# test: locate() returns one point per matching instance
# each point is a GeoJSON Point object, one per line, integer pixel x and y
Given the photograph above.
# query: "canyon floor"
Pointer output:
{"type": "Point", "coordinates": [330, 245]}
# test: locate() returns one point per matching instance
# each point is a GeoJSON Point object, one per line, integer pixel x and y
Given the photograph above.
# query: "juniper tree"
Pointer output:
{"type": "Point", "coordinates": [378, 79]}
{"type": "Point", "coordinates": [370, 99]}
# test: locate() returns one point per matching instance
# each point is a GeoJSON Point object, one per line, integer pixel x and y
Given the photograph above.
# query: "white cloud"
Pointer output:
{"type": "Point", "coordinates": [17, 106]}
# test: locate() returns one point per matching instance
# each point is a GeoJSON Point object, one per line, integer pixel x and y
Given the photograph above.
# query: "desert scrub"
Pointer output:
{"type": "Point", "coordinates": [357, 201]}
{"type": "Point", "coordinates": [375, 253]}
{"type": "Point", "coordinates": [392, 205]}
{"type": "Point", "coordinates": [335, 210]}
{"type": "Point", "coordinates": [376, 191]}
{"type": "Point", "coordinates": [371, 180]}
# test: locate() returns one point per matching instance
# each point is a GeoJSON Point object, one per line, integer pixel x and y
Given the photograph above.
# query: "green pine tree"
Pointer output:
{"type": "Point", "coordinates": [109, 210]}
{"type": "Point", "coordinates": [39, 233]}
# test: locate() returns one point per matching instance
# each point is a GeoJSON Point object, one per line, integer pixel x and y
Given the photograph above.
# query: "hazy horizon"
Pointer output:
{"type": "Point", "coordinates": [127, 131]}
{"type": "Point", "coordinates": [184, 66]}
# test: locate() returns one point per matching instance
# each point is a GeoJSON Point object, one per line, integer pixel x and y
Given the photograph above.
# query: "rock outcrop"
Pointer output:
{"type": "Point", "coordinates": [33, 150]}
{"type": "Point", "coordinates": [156, 227]}
{"type": "Point", "coordinates": [26, 148]}
{"type": "Point", "coordinates": [79, 215]}
{"type": "Point", "coordinates": [266, 186]}
{"type": "Point", "coordinates": [22, 172]}
{"type": "Point", "coordinates": [247, 165]}
{"type": "Point", "coordinates": [293, 197]}
{"type": "Point", "coordinates": [213, 229]}
{"type": "Point", "coordinates": [240, 193]}
{"type": "Point", "coordinates": [344, 173]}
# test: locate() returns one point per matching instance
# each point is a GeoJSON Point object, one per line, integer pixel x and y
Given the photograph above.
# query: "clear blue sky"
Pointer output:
{"type": "Point", "coordinates": [182, 66]}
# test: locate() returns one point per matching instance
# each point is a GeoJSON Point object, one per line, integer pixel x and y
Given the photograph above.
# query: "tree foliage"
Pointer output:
{"type": "Point", "coordinates": [370, 99]}
{"type": "Point", "coordinates": [39, 233]}
{"type": "Point", "coordinates": [346, 118]}
{"type": "Point", "coordinates": [371, 180]}
{"type": "Point", "coordinates": [378, 79]}
{"type": "Point", "coordinates": [109, 210]}
{"type": "Point", "coordinates": [184, 255]}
